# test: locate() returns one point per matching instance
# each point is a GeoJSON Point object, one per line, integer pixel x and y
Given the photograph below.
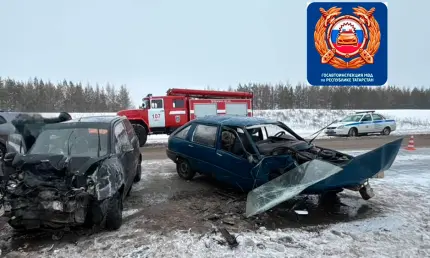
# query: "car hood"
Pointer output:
{"type": "Point", "coordinates": [62, 165]}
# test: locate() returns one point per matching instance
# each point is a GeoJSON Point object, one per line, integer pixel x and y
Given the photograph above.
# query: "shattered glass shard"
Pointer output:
{"type": "Point", "coordinates": [288, 185]}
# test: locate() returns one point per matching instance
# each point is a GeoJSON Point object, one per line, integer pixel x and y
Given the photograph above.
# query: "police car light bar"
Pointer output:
{"type": "Point", "coordinates": [361, 112]}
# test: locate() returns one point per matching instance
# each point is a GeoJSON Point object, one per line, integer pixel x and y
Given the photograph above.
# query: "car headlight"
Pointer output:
{"type": "Point", "coordinates": [341, 127]}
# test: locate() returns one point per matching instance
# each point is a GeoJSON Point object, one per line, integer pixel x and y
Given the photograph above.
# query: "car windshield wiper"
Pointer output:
{"type": "Point", "coordinates": [68, 143]}
{"type": "Point", "coordinates": [320, 130]}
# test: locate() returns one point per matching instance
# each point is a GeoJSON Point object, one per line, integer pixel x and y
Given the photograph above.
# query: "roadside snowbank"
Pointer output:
{"type": "Point", "coordinates": [307, 121]}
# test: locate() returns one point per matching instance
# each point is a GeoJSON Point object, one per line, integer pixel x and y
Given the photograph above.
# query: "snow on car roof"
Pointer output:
{"type": "Point", "coordinates": [239, 121]}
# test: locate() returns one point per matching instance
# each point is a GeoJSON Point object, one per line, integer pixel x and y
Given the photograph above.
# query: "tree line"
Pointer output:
{"type": "Point", "coordinates": [37, 95]}
{"type": "Point", "coordinates": [287, 96]}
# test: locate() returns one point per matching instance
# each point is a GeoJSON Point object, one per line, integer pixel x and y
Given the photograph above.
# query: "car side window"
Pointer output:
{"type": "Point", "coordinates": [2, 120]}
{"type": "Point", "coordinates": [205, 135]}
{"type": "Point", "coordinates": [129, 129]}
{"type": "Point", "coordinates": [178, 103]}
{"type": "Point", "coordinates": [366, 118]}
{"type": "Point", "coordinates": [377, 117]}
{"type": "Point", "coordinates": [230, 143]}
{"type": "Point", "coordinates": [121, 138]}
{"type": "Point", "coordinates": [156, 103]}
{"type": "Point", "coordinates": [183, 133]}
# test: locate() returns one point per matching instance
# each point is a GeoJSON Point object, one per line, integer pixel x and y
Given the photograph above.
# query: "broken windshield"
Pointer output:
{"type": "Point", "coordinates": [83, 142]}
{"type": "Point", "coordinates": [264, 131]}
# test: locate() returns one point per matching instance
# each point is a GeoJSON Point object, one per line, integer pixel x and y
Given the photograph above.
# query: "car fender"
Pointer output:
{"type": "Point", "coordinates": [107, 179]}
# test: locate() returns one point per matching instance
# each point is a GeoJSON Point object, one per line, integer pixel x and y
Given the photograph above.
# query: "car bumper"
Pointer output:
{"type": "Point", "coordinates": [171, 155]}
{"type": "Point", "coordinates": [48, 209]}
{"type": "Point", "coordinates": [336, 132]}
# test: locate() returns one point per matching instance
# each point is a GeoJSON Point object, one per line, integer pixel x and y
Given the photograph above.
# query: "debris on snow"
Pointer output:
{"type": "Point", "coordinates": [301, 212]}
{"type": "Point", "coordinates": [231, 240]}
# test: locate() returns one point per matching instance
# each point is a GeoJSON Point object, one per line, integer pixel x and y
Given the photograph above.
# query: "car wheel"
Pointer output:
{"type": "Point", "coordinates": [353, 132]}
{"type": "Point", "coordinates": [184, 169]}
{"type": "Point", "coordinates": [141, 133]}
{"type": "Point", "coordinates": [2, 151]}
{"type": "Point", "coordinates": [386, 131]}
{"type": "Point", "coordinates": [138, 175]}
{"type": "Point", "coordinates": [114, 212]}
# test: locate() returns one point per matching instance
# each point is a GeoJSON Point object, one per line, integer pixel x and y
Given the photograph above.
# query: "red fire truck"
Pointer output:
{"type": "Point", "coordinates": [164, 114]}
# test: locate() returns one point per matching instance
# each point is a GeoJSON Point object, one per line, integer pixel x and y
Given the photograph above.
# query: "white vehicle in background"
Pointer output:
{"type": "Point", "coordinates": [362, 123]}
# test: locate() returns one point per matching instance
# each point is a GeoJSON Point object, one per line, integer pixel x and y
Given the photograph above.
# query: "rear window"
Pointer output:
{"type": "Point", "coordinates": [205, 135]}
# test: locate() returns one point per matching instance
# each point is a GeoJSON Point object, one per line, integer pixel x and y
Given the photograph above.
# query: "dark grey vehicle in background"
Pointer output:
{"type": "Point", "coordinates": [18, 130]}
{"type": "Point", "coordinates": [76, 173]}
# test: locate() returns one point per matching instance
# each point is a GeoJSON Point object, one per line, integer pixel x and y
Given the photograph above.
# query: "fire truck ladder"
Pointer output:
{"type": "Point", "coordinates": [207, 94]}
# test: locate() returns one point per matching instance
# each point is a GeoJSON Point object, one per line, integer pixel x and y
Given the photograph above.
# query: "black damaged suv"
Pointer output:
{"type": "Point", "coordinates": [77, 172]}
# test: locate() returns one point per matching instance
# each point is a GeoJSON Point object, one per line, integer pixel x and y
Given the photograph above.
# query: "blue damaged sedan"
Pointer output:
{"type": "Point", "coordinates": [270, 161]}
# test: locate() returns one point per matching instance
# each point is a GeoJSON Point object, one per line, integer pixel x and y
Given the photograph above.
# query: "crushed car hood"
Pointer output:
{"type": "Point", "coordinates": [317, 176]}
{"type": "Point", "coordinates": [42, 162]}
{"type": "Point", "coordinates": [52, 170]}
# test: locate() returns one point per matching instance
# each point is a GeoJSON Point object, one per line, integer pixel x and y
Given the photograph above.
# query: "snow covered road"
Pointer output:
{"type": "Point", "coordinates": [395, 223]}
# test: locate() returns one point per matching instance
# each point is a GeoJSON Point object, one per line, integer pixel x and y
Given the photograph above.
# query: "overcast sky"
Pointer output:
{"type": "Point", "coordinates": [153, 45]}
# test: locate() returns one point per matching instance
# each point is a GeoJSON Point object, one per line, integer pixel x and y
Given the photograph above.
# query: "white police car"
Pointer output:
{"type": "Point", "coordinates": [362, 123]}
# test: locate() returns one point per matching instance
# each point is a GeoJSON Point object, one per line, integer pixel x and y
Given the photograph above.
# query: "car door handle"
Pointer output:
{"type": "Point", "coordinates": [189, 145]}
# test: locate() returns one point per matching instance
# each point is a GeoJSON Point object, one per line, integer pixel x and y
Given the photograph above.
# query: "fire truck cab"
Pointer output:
{"type": "Point", "coordinates": [164, 114]}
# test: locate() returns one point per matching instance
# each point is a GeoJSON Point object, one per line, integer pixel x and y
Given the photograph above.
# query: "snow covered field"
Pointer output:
{"type": "Point", "coordinates": [401, 229]}
{"type": "Point", "coordinates": [307, 121]}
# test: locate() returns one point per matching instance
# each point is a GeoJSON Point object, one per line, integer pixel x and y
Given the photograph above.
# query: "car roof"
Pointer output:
{"type": "Point", "coordinates": [238, 121]}
{"type": "Point", "coordinates": [86, 122]}
{"type": "Point", "coordinates": [95, 119]}
{"type": "Point", "coordinates": [9, 116]}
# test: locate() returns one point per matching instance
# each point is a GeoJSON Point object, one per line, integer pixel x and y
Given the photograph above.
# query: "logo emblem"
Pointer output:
{"type": "Point", "coordinates": [347, 44]}
{"type": "Point", "coordinates": [349, 36]}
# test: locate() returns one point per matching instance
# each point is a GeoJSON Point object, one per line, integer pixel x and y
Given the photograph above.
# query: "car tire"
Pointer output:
{"type": "Point", "coordinates": [114, 212]}
{"type": "Point", "coordinates": [2, 151]}
{"type": "Point", "coordinates": [386, 131]}
{"type": "Point", "coordinates": [184, 169]}
{"type": "Point", "coordinates": [141, 133]}
{"type": "Point", "coordinates": [353, 132]}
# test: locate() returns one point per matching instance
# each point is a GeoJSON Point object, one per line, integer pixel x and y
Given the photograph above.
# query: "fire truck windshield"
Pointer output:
{"type": "Point", "coordinates": [145, 104]}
